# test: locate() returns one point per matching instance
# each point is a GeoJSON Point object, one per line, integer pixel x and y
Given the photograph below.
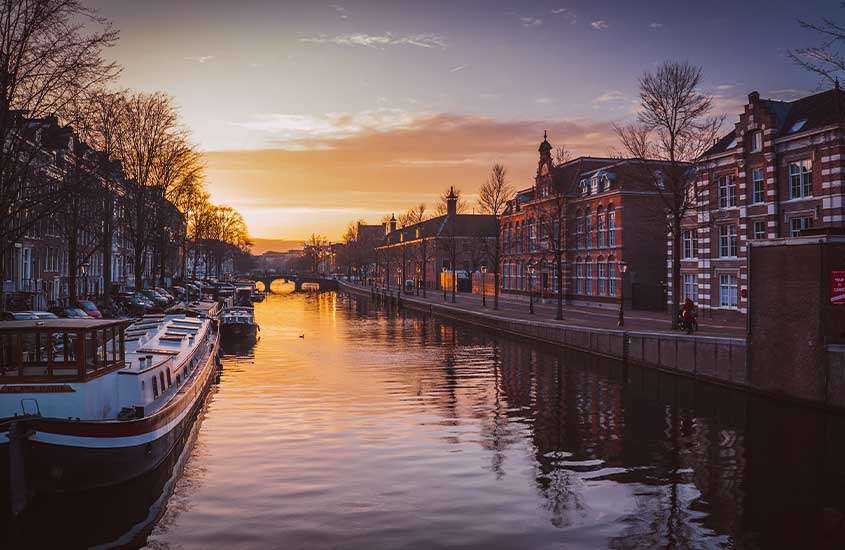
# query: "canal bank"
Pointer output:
{"type": "Point", "coordinates": [720, 360]}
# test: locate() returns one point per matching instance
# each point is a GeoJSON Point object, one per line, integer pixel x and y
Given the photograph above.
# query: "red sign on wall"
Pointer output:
{"type": "Point", "coordinates": [837, 288]}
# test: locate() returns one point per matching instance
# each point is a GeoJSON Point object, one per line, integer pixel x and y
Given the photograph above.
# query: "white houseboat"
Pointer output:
{"type": "Point", "coordinates": [93, 403]}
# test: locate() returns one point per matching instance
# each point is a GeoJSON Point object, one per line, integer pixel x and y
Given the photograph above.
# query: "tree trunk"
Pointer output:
{"type": "Point", "coordinates": [559, 268]}
{"type": "Point", "coordinates": [497, 257]}
{"type": "Point", "coordinates": [108, 221]}
{"type": "Point", "coordinates": [676, 269]}
{"type": "Point", "coordinates": [72, 261]}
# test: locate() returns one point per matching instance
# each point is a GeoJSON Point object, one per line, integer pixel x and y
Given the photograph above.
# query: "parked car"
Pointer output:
{"type": "Point", "coordinates": [18, 316]}
{"type": "Point", "coordinates": [71, 313]}
{"type": "Point", "coordinates": [44, 315]}
{"type": "Point", "coordinates": [90, 308]}
{"type": "Point", "coordinates": [165, 293]}
{"type": "Point", "coordinates": [156, 298]}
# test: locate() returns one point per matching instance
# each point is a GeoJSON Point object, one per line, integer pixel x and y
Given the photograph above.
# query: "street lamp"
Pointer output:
{"type": "Point", "coordinates": [531, 288]}
{"type": "Point", "coordinates": [623, 267]}
{"type": "Point", "coordinates": [401, 281]}
{"type": "Point", "coordinates": [483, 286]}
{"type": "Point", "coordinates": [417, 282]}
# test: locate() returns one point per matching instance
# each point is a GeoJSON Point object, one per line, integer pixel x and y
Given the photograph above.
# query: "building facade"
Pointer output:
{"type": "Point", "coordinates": [591, 214]}
{"type": "Point", "coordinates": [776, 174]}
{"type": "Point", "coordinates": [429, 253]}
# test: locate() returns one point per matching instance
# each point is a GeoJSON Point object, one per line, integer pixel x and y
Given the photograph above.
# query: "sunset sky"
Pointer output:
{"type": "Point", "coordinates": [312, 114]}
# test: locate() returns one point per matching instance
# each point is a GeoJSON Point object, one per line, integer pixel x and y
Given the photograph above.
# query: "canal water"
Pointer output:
{"type": "Point", "coordinates": [348, 426]}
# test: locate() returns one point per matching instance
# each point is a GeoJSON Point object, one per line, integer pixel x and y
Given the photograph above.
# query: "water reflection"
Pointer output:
{"type": "Point", "coordinates": [352, 426]}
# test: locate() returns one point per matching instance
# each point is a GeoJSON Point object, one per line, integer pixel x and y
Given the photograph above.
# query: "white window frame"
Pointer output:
{"type": "Point", "coordinates": [801, 179]}
{"type": "Point", "coordinates": [728, 290]}
{"type": "Point", "coordinates": [758, 186]}
{"type": "Point", "coordinates": [689, 241]}
{"type": "Point", "coordinates": [804, 222]}
{"type": "Point", "coordinates": [690, 286]}
{"type": "Point", "coordinates": [758, 235]}
{"type": "Point", "coordinates": [727, 191]}
{"type": "Point", "coordinates": [728, 241]}
{"type": "Point", "coordinates": [756, 141]}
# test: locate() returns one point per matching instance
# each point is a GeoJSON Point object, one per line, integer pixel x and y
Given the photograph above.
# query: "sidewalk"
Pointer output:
{"type": "Point", "coordinates": [641, 321]}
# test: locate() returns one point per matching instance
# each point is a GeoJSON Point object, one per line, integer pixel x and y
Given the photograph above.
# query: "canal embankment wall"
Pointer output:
{"type": "Point", "coordinates": [716, 359]}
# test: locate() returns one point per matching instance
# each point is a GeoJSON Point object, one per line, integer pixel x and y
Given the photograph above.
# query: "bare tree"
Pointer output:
{"type": "Point", "coordinates": [674, 126]}
{"type": "Point", "coordinates": [315, 249]}
{"type": "Point", "coordinates": [461, 205]}
{"type": "Point", "coordinates": [561, 155]}
{"type": "Point", "coordinates": [492, 199]}
{"type": "Point", "coordinates": [50, 53]}
{"type": "Point", "coordinates": [825, 59]}
{"type": "Point", "coordinates": [416, 216]}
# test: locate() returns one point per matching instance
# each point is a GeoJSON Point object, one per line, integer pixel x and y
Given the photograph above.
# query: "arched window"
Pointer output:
{"type": "Point", "coordinates": [588, 229]}
{"type": "Point", "coordinates": [588, 276]}
{"type": "Point", "coordinates": [600, 240]}
{"type": "Point", "coordinates": [579, 282]}
{"type": "Point", "coordinates": [579, 228]}
{"type": "Point", "coordinates": [612, 275]}
{"type": "Point", "coordinates": [611, 225]}
{"type": "Point", "coordinates": [601, 272]}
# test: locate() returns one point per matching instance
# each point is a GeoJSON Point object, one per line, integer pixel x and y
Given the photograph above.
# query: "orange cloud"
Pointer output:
{"type": "Point", "coordinates": [324, 179]}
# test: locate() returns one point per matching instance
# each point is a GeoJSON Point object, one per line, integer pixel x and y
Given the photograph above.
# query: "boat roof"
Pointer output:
{"type": "Point", "coordinates": [61, 324]}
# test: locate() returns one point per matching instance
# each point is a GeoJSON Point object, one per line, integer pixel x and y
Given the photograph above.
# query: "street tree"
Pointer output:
{"type": "Point", "coordinates": [51, 52]}
{"type": "Point", "coordinates": [674, 125]}
{"type": "Point", "coordinates": [825, 59]}
{"type": "Point", "coordinates": [492, 199]}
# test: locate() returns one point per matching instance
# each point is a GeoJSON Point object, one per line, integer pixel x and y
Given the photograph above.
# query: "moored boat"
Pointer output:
{"type": "Point", "coordinates": [238, 323]}
{"type": "Point", "coordinates": [93, 403]}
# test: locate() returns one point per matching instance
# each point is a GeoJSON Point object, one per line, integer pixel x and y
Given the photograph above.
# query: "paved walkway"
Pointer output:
{"type": "Point", "coordinates": [645, 321]}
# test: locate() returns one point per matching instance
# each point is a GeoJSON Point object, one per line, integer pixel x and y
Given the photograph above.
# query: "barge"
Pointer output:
{"type": "Point", "coordinates": [87, 404]}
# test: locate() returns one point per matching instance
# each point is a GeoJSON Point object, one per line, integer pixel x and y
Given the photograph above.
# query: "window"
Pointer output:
{"type": "Point", "coordinates": [727, 291]}
{"type": "Point", "coordinates": [690, 287]}
{"type": "Point", "coordinates": [155, 387]}
{"type": "Point", "coordinates": [579, 283]}
{"type": "Point", "coordinates": [588, 237]}
{"type": "Point", "coordinates": [601, 270]}
{"type": "Point", "coordinates": [759, 230]}
{"type": "Point", "coordinates": [588, 277]}
{"type": "Point", "coordinates": [611, 226]}
{"type": "Point", "coordinates": [800, 179]}
{"type": "Point", "coordinates": [797, 126]}
{"type": "Point", "coordinates": [579, 229]}
{"type": "Point", "coordinates": [169, 379]}
{"type": "Point", "coordinates": [727, 241]}
{"type": "Point", "coordinates": [612, 274]}
{"type": "Point", "coordinates": [161, 379]}
{"type": "Point", "coordinates": [600, 232]}
{"type": "Point", "coordinates": [756, 142]}
{"type": "Point", "coordinates": [798, 224]}
{"type": "Point", "coordinates": [690, 244]}
{"type": "Point", "coordinates": [727, 191]}
{"type": "Point", "coordinates": [758, 184]}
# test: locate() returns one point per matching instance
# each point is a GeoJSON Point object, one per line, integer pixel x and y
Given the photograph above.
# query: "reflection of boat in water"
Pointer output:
{"type": "Point", "coordinates": [86, 404]}
{"type": "Point", "coordinates": [238, 323]}
{"type": "Point", "coordinates": [120, 516]}
{"type": "Point", "coordinates": [311, 287]}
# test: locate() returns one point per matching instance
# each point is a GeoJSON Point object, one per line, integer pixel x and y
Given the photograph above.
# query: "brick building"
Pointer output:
{"type": "Point", "coordinates": [593, 198]}
{"type": "Point", "coordinates": [778, 172]}
{"type": "Point", "coordinates": [421, 252]}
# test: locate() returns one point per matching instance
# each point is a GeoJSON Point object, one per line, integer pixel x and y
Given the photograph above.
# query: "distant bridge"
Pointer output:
{"type": "Point", "coordinates": [297, 279]}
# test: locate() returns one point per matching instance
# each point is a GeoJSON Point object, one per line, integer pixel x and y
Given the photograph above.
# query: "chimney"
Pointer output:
{"type": "Point", "coordinates": [392, 223]}
{"type": "Point", "coordinates": [451, 203]}
{"type": "Point", "coordinates": [754, 97]}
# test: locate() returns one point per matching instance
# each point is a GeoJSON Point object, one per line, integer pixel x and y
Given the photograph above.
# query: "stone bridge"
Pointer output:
{"type": "Point", "coordinates": [326, 283]}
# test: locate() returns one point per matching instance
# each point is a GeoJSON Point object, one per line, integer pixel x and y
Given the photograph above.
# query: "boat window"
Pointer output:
{"type": "Point", "coordinates": [169, 381]}
{"type": "Point", "coordinates": [155, 387]}
{"type": "Point", "coordinates": [161, 378]}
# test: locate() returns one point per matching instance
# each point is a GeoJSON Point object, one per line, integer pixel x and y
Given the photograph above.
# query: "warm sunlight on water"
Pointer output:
{"type": "Point", "coordinates": [383, 430]}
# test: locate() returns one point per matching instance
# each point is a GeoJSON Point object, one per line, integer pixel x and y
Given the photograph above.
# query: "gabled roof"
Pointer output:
{"type": "Point", "coordinates": [466, 225]}
{"type": "Point", "coordinates": [791, 117]}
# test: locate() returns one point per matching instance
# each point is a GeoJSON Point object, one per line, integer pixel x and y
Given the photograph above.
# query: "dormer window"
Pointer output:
{"type": "Point", "coordinates": [756, 141]}
{"type": "Point", "coordinates": [797, 126]}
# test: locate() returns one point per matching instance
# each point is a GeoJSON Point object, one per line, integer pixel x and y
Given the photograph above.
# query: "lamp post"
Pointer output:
{"type": "Point", "coordinates": [483, 286]}
{"type": "Point", "coordinates": [531, 288]}
{"type": "Point", "coordinates": [623, 267]}
{"type": "Point", "coordinates": [401, 281]}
